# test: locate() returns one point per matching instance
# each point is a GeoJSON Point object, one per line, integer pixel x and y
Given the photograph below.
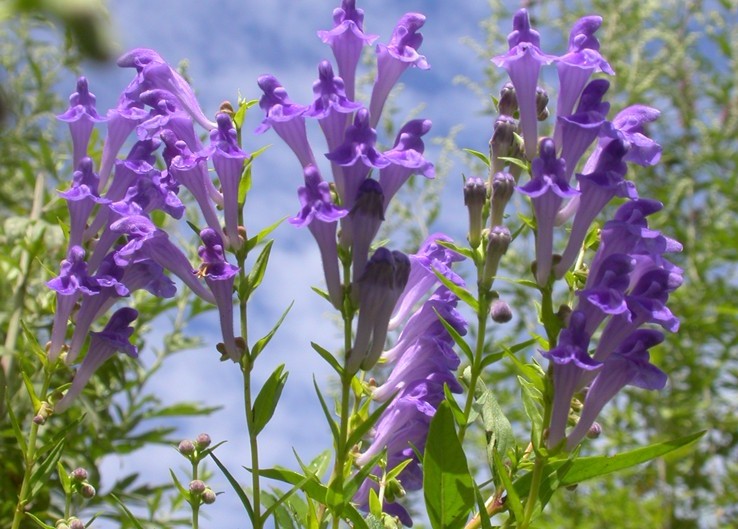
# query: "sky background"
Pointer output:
{"type": "Point", "coordinates": [228, 44]}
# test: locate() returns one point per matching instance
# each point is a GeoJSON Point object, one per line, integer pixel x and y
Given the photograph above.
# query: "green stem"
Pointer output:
{"type": "Point", "coordinates": [196, 503]}
{"type": "Point", "coordinates": [30, 462]}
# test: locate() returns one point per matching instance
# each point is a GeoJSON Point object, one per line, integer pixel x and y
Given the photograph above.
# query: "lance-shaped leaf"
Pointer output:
{"type": "Point", "coordinates": [267, 399]}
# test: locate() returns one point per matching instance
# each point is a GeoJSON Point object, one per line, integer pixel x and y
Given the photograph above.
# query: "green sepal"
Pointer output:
{"type": "Point", "coordinates": [268, 398]}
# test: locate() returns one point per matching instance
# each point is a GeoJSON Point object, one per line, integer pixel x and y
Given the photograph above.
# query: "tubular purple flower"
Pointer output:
{"type": "Point", "coordinates": [357, 155]}
{"type": "Point", "coordinates": [190, 170]}
{"type": "Point", "coordinates": [547, 189]}
{"type": "Point", "coordinates": [628, 125]}
{"type": "Point", "coordinates": [629, 365]}
{"type": "Point", "coordinates": [81, 117]}
{"type": "Point", "coordinates": [154, 190]}
{"type": "Point", "coordinates": [523, 63]}
{"type": "Point", "coordinates": [81, 199]}
{"type": "Point", "coordinates": [285, 117]}
{"type": "Point", "coordinates": [604, 293]}
{"type": "Point", "coordinates": [228, 160]}
{"type": "Point", "coordinates": [145, 240]}
{"type": "Point", "coordinates": [578, 64]}
{"type": "Point", "coordinates": [121, 122]}
{"type": "Point", "coordinates": [380, 286]}
{"type": "Point", "coordinates": [72, 282]}
{"type": "Point", "coordinates": [406, 158]}
{"type": "Point", "coordinates": [364, 220]}
{"type": "Point", "coordinates": [219, 276]}
{"type": "Point", "coordinates": [430, 257]}
{"type": "Point", "coordinates": [346, 39]}
{"type": "Point", "coordinates": [166, 114]}
{"type": "Point", "coordinates": [569, 360]}
{"type": "Point", "coordinates": [394, 58]}
{"type": "Point", "coordinates": [475, 198]}
{"type": "Point", "coordinates": [597, 189]}
{"type": "Point", "coordinates": [154, 73]}
{"type": "Point", "coordinates": [320, 215]}
{"type": "Point", "coordinates": [503, 186]}
{"type": "Point", "coordinates": [331, 106]}
{"type": "Point", "coordinates": [504, 142]}
{"type": "Point", "coordinates": [103, 345]}
{"type": "Point", "coordinates": [577, 131]}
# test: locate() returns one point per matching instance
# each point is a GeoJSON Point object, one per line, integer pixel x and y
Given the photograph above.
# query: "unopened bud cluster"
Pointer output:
{"type": "Point", "coordinates": [80, 484]}
{"type": "Point", "coordinates": [195, 449]}
{"type": "Point", "coordinates": [201, 493]}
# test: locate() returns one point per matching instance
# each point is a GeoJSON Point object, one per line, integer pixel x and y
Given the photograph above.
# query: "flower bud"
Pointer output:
{"type": "Point", "coordinates": [197, 486]}
{"type": "Point", "coordinates": [594, 431]}
{"type": "Point", "coordinates": [500, 311]}
{"type": "Point", "coordinates": [87, 491]}
{"type": "Point", "coordinates": [503, 185]}
{"type": "Point", "coordinates": [186, 448]}
{"type": "Point", "coordinates": [503, 141]}
{"type": "Point", "coordinates": [394, 490]}
{"type": "Point", "coordinates": [497, 243]}
{"type": "Point", "coordinates": [202, 441]}
{"type": "Point", "coordinates": [508, 103]}
{"type": "Point", "coordinates": [208, 497]}
{"type": "Point", "coordinates": [79, 474]}
{"type": "Point", "coordinates": [61, 524]}
{"type": "Point", "coordinates": [76, 523]}
{"type": "Point", "coordinates": [44, 412]}
{"type": "Point", "coordinates": [475, 196]}
{"type": "Point", "coordinates": [541, 103]}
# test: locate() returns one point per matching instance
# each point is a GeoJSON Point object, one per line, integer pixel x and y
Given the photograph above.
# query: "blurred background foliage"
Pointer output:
{"type": "Point", "coordinates": [677, 55]}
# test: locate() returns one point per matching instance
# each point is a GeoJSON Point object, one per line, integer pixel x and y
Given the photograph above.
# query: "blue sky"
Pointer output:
{"type": "Point", "coordinates": [227, 45]}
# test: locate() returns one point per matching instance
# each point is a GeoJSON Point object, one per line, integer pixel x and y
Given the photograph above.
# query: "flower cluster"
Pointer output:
{"type": "Point", "coordinates": [629, 280]}
{"type": "Point", "coordinates": [354, 200]}
{"type": "Point", "coordinates": [424, 362]}
{"type": "Point", "coordinates": [115, 247]}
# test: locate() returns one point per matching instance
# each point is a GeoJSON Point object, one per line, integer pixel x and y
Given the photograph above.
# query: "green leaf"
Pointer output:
{"type": "Point", "coordinates": [128, 513]}
{"type": "Point", "coordinates": [256, 275]}
{"type": "Point", "coordinates": [327, 413]}
{"type": "Point", "coordinates": [183, 491]}
{"type": "Point", "coordinates": [40, 476]}
{"type": "Point", "coordinates": [447, 485]}
{"type": "Point", "coordinates": [461, 250]}
{"type": "Point", "coordinates": [375, 508]}
{"type": "Point", "coordinates": [236, 488]}
{"type": "Point", "coordinates": [263, 234]}
{"type": "Point", "coordinates": [458, 339]}
{"type": "Point", "coordinates": [16, 427]}
{"type": "Point", "coordinates": [328, 357]}
{"type": "Point", "coordinates": [496, 425]}
{"type": "Point", "coordinates": [532, 399]}
{"type": "Point", "coordinates": [268, 398]}
{"type": "Point", "coordinates": [262, 342]}
{"type": "Point", "coordinates": [463, 294]}
{"type": "Point", "coordinates": [513, 500]}
{"type": "Point", "coordinates": [240, 115]}
{"type": "Point", "coordinates": [483, 514]}
{"type": "Point", "coordinates": [479, 155]}
{"type": "Point", "coordinates": [37, 521]}
{"type": "Point", "coordinates": [365, 426]}
{"type": "Point", "coordinates": [564, 473]}
{"type": "Point", "coordinates": [64, 479]}
{"type": "Point", "coordinates": [516, 161]}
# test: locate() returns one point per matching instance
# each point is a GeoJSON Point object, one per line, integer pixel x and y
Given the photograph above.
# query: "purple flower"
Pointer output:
{"type": "Point", "coordinates": [380, 286]}
{"type": "Point", "coordinates": [320, 215]}
{"type": "Point", "coordinates": [628, 365]}
{"type": "Point", "coordinates": [285, 117]}
{"type": "Point", "coordinates": [547, 189]}
{"type": "Point", "coordinates": [81, 199]}
{"type": "Point", "coordinates": [628, 126]}
{"type": "Point", "coordinates": [394, 58]}
{"type": "Point", "coordinates": [604, 293]}
{"type": "Point", "coordinates": [73, 281]}
{"type": "Point", "coordinates": [121, 122]}
{"type": "Point", "coordinates": [228, 160]}
{"type": "Point", "coordinates": [154, 73]}
{"type": "Point", "coordinates": [346, 39]}
{"type": "Point", "coordinates": [146, 241]}
{"type": "Point", "coordinates": [103, 345]}
{"type": "Point", "coordinates": [362, 225]}
{"type": "Point", "coordinates": [81, 117]}
{"type": "Point", "coordinates": [431, 257]}
{"type": "Point", "coordinates": [331, 106]}
{"type": "Point", "coordinates": [357, 155]}
{"type": "Point", "coordinates": [569, 361]}
{"type": "Point", "coordinates": [523, 63]}
{"type": "Point", "coordinates": [406, 158]}
{"type": "Point", "coordinates": [580, 61]}
{"type": "Point", "coordinates": [166, 114]}
{"type": "Point", "coordinates": [597, 188]}
{"type": "Point", "coordinates": [219, 276]}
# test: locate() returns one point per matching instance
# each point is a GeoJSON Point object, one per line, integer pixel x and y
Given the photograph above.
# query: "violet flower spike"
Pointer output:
{"type": "Point", "coordinates": [578, 64]}
{"type": "Point", "coordinates": [166, 113]}
{"type": "Point", "coordinates": [228, 160]}
{"type": "Point", "coordinates": [220, 276]}
{"type": "Point", "coordinates": [523, 63]}
{"type": "Point", "coordinates": [285, 117]}
{"type": "Point", "coordinates": [394, 58]}
{"type": "Point", "coordinates": [547, 190]}
{"type": "Point", "coordinates": [406, 158]}
{"type": "Point", "coordinates": [81, 117]}
{"type": "Point", "coordinates": [629, 365]}
{"type": "Point", "coordinates": [103, 345]}
{"type": "Point", "coordinates": [331, 105]}
{"type": "Point", "coordinates": [320, 215]}
{"type": "Point", "coordinates": [346, 39]}
{"type": "Point", "coordinates": [357, 155]}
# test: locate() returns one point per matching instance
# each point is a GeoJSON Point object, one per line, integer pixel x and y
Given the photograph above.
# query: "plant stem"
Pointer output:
{"type": "Point", "coordinates": [195, 504]}
{"type": "Point", "coordinates": [30, 462]}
